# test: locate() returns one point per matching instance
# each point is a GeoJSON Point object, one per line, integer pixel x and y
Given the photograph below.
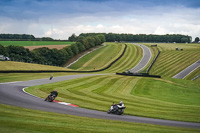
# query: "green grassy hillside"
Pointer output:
{"type": "Point", "coordinates": [99, 58]}
{"type": "Point", "coordinates": [170, 62]}
{"type": "Point", "coordinates": [194, 74]}
{"type": "Point", "coordinates": [104, 56]}
{"type": "Point", "coordinates": [147, 97]}
{"type": "Point", "coordinates": [130, 59]}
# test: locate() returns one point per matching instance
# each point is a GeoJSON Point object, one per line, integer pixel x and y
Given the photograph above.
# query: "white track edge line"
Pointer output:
{"type": "Point", "coordinates": [63, 103]}
{"type": "Point", "coordinates": [186, 68]}
{"type": "Point", "coordinates": [23, 89]}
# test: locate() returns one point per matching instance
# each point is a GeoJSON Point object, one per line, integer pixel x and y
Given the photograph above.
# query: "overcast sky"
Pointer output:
{"type": "Point", "coordinates": [59, 19]}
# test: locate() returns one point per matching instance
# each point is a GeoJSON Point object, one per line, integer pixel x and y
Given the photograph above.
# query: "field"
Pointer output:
{"type": "Point", "coordinates": [170, 62]}
{"type": "Point", "coordinates": [49, 46]}
{"type": "Point", "coordinates": [34, 43]}
{"type": "Point", "coordinates": [165, 98]}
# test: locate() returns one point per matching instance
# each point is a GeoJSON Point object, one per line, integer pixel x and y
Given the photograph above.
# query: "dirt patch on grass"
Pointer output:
{"type": "Point", "coordinates": [48, 46]}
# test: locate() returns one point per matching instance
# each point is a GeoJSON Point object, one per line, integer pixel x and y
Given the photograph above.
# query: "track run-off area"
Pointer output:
{"type": "Point", "coordinates": [12, 94]}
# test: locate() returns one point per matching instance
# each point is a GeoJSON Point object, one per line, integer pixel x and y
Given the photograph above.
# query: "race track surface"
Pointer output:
{"type": "Point", "coordinates": [12, 94]}
{"type": "Point", "coordinates": [187, 71]}
{"type": "Point", "coordinates": [145, 59]}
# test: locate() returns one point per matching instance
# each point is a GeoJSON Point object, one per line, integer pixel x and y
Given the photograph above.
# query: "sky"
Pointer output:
{"type": "Point", "coordinates": [59, 19]}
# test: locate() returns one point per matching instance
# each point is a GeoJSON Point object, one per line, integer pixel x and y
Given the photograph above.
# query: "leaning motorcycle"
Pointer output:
{"type": "Point", "coordinates": [50, 98]}
{"type": "Point", "coordinates": [114, 109]}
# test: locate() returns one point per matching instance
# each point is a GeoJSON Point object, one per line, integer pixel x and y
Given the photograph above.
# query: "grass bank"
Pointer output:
{"type": "Point", "coordinates": [157, 98]}
{"type": "Point", "coordinates": [171, 61]}
{"type": "Point", "coordinates": [20, 120]}
{"type": "Point", "coordinates": [104, 56]}
{"type": "Point", "coordinates": [11, 77]}
{"type": "Point", "coordinates": [12, 65]}
{"type": "Point", "coordinates": [99, 58]}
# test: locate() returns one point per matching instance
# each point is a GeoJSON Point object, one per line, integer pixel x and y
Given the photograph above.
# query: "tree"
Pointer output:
{"type": "Point", "coordinates": [91, 41]}
{"type": "Point", "coordinates": [16, 36]}
{"type": "Point", "coordinates": [184, 40]}
{"type": "Point", "coordinates": [74, 49]}
{"type": "Point", "coordinates": [97, 40]}
{"type": "Point", "coordinates": [46, 39]}
{"type": "Point", "coordinates": [3, 50]}
{"type": "Point", "coordinates": [18, 53]}
{"type": "Point", "coordinates": [196, 39]}
{"type": "Point", "coordinates": [43, 55]}
{"type": "Point", "coordinates": [102, 38]}
{"type": "Point", "coordinates": [69, 51]}
{"type": "Point", "coordinates": [80, 46]}
{"type": "Point", "coordinates": [72, 38]}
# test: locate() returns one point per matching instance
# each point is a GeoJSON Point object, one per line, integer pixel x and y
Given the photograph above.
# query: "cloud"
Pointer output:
{"type": "Point", "coordinates": [60, 18]}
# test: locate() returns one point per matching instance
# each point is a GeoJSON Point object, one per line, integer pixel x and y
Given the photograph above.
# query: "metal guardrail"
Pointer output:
{"type": "Point", "coordinates": [153, 61]}
{"type": "Point", "coordinates": [196, 77]}
{"type": "Point", "coordinates": [139, 74]}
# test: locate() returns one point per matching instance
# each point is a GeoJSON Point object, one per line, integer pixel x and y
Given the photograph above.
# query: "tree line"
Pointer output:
{"type": "Point", "coordinates": [23, 37]}
{"type": "Point", "coordinates": [112, 37]}
{"type": "Point", "coordinates": [51, 56]}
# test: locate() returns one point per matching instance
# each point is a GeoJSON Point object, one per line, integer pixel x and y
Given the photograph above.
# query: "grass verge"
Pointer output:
{"type": "Point", "coordinates": [12, 65]}
{"type": "Point", "coordinates": [11, 77]}
{"type": "Point", "coordinates": [21, 120]}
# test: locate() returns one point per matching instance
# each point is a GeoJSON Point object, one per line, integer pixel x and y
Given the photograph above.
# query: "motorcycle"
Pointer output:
{"type": "Point", "coordinates": [115, 109]}
{"type": "Point", "coordinates": [50, 98]}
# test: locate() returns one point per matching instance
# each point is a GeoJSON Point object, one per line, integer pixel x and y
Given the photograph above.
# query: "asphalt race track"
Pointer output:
{"type": "Point", "coordinates": [144, 61]}
{"type": "Point", "coordinates": [187, 71]}
{"type": "Point", "coordinates": [12, 94]}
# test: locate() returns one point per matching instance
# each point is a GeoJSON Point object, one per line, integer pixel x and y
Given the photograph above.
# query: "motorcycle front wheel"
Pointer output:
{"type": "Point", "coordinates": [109, 111]}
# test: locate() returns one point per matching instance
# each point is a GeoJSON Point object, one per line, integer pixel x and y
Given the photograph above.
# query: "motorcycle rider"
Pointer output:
{"type": "Point", "coordinates": [117, 108]}
{"type": "Point", "coordinates": [53, 93]}
{"type": "Point", "coordinates": [51, 77]}
{"type": "Point", "coordinates": [120, 105]}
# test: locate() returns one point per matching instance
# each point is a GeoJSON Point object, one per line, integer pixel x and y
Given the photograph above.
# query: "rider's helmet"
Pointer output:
{"type": "Point", "coordinates": [121, 102]}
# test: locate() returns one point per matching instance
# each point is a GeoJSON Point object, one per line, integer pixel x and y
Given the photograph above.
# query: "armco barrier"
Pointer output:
{"type": "Point", "coordinates": [153, 61]}
{"type": "Point", "coordinates": [139, 74]}
{"type": "Point", "coordinates": [50, 71]}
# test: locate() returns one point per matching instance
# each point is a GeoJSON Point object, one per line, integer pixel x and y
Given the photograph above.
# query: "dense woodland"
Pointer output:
{"type": "Point", "coordinates": [51, 56]}
{"type": "Point", "coordinates": [22, 37]}
{"type": "Point", "coordinates": [112, 37]}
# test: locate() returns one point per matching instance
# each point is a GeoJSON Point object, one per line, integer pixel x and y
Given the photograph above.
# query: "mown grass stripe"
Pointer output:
{"type": "Point", "coordinates": [27, 120]}
{"type": "Point", "coordinates": [142, 96]}
{"type": "Point", "coordinates": [171, 62]}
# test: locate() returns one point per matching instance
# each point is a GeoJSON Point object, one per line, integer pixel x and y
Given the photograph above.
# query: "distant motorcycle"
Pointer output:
{"type": "Point", "coordinates": [115, 109]}
{"type": "Point", "coordinates": [50, 98]}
